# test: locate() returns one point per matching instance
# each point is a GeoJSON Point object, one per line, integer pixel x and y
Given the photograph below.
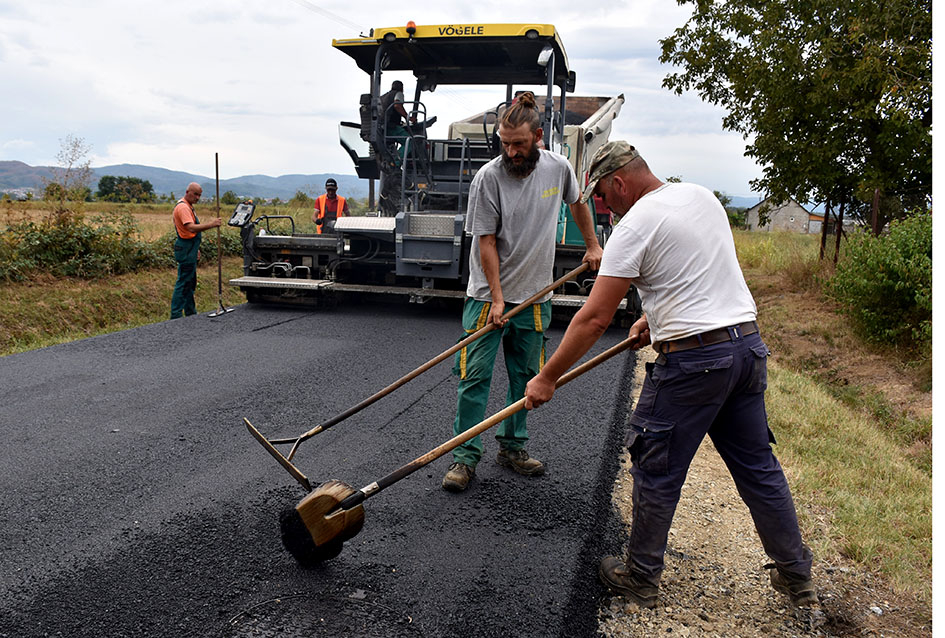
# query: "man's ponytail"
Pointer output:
{"type": "Point", "coordinates": [523, 111]}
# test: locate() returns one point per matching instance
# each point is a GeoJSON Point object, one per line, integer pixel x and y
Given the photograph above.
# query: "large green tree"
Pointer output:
{"type": "Point", "coordinates": [125, 189]}
{"type": "Point", "coordinates": [833, 96]}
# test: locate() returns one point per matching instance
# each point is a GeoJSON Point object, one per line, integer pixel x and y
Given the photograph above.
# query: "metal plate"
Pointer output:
{"type": "Point", "coordinates": [365, 223]}
{"type": "Point", "coordinates": [431, 225]}
{"type": "Point", "coordinates": [276, 282]}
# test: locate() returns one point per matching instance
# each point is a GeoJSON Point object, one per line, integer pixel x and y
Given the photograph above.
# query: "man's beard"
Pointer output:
{"type": "Point", "coordinates": [523, 168]}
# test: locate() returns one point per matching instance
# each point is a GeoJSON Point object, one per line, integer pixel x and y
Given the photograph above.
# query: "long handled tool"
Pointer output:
{"type": "Point", "coordinates": [286, 461]}
{"type": "Point", "coordinates": [317, 527]}
{"type": "Point", "coordinates": [223, 309]}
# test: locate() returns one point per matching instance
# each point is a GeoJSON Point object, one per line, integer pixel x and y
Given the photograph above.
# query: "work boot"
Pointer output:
{"type": "Point", "coordinates": [458, 477]}
{"type": "Point", "coordinates": [614, 573]}
{"type": "Point", "coordinates": [519, 461]}
{"type": "Point", "coordinates": [799, 589]}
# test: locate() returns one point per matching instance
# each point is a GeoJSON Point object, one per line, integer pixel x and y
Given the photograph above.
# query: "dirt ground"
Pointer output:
{"type": "Point", "coordinates": [806, 332]}
{"type": "Point", "coordinates": [714, 584]}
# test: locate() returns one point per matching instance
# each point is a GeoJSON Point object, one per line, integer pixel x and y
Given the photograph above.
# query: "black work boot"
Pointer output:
{"type": "Point", "coordinates": [615, 574]}
{"type": "Point", "coordinates": [458, 477]}
{"type": "Point", "coordinates": [799, 589]}
{"type": "Point", "coordinates": [519, 461]}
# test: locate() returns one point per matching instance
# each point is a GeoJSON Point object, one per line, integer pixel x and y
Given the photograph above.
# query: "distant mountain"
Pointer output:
{"type": "Point", "coordinates": [16, 176]}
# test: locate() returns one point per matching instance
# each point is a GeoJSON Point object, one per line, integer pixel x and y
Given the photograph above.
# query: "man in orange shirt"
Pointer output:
{"type": "Point", "coordinates": [187, 250]}
{"type": "Point", "coordinates": [329, 207]}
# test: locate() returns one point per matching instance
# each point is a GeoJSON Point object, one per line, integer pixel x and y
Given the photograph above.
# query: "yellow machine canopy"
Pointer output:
{"type": "Point", "coordinates": [464, 53]}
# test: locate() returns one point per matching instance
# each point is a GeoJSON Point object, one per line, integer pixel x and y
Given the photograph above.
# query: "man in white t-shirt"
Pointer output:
{"type": "Point", "coordinates": [512, 216]}
{"type": "Point", "coordinates": [675, 245]}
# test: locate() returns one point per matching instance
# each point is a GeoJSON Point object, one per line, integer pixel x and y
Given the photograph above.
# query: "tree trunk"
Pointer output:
{"type": "Point", "coordinates": [823, 231]}
{"type": "Point", "coordinates": [875, 221]}
{"type": "Point", "coordinates": [836, 252]}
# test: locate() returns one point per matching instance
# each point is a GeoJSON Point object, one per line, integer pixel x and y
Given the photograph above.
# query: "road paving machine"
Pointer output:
{"type": "Point", "coordinates": [413, 243]}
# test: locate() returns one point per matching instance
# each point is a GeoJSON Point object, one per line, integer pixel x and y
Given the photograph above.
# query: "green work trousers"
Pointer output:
{"type": "Point", "coordinates": [185, 253]}
{"type": "Point", "coordinates": [523, 346]}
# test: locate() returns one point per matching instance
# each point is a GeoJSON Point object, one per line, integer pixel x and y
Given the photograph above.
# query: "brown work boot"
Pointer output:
{"type": "Point", "coordinates": [799, 589]}
{"type": "Point", "coordinates": [519, 461]}
{"type": "Point", "coordinates": [458, 477]}
{"type": "Point", "coordinates": [614, 573]}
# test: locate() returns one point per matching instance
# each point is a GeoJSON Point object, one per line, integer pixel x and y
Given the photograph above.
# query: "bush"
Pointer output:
{"type": "Point", "coordinates": [885, 283]}
{"type": "Point", "coordinates": [68, 246]}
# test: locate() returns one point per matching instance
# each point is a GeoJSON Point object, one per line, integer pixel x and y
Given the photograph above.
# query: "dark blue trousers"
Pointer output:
{"type": "Point", "coordinates": [716, 390]}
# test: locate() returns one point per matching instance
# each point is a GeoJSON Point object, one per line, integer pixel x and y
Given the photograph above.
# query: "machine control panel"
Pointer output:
{"type": "Point", "coordinates": [242, 214]}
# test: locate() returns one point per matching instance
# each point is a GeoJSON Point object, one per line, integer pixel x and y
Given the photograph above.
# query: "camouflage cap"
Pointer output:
{"type": "Point", "coordinates": [607, 159]}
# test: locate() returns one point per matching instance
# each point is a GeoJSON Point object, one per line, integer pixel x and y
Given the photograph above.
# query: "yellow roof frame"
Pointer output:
{"type": "Point", "coordinates": [463, 53]}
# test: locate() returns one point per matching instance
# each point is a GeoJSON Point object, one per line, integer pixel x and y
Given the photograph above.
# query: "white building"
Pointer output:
{"type": "Point", "coordinates": [785, 216]}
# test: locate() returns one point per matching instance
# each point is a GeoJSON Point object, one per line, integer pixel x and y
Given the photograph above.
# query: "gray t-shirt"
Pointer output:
{"type": "Point", "coordinates": [523, 215]}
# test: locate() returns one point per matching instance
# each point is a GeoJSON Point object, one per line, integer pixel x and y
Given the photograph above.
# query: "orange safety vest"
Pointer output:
{"type": "Point", "coordinates": [322, 201]}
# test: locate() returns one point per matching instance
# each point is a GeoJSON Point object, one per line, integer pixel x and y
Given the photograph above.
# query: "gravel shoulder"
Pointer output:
{"type": "Point", "coordinates": [714, 584]}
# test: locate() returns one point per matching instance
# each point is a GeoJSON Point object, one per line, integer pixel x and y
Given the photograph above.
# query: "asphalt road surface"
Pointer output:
{"type": "Point", "coordinates": [135, 503]}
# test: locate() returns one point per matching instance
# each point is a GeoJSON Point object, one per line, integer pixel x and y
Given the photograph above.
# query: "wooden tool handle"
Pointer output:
{"type": "Point", "coordinates": [432, 362]}
{"type": "Point", "coordinates": [477, 429]}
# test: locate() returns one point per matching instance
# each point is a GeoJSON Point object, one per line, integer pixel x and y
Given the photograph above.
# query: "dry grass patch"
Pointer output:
{"type": "Point", "coordinates": [48, 311]}
{"type": "Point", "coordinates": [841, 463]}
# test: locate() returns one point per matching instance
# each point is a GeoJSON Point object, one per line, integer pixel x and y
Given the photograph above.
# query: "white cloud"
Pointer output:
{"type": "Point", "coordinates": [18, 145]}
{"type": "Point", "coordinates": [171, 83]}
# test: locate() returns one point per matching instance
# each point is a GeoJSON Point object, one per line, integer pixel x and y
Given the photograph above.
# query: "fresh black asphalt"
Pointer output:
{"type": "Point", "coordinates": [133, 502]}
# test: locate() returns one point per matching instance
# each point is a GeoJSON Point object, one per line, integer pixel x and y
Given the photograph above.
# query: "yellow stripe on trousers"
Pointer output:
{"type": "Point", "coordinates": [480, 324]}
{"type": "Point", "coordinates": [536, 312]}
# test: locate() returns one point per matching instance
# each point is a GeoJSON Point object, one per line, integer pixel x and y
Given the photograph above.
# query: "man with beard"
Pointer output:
{"type": "Point", "coordinates": [513, 217]}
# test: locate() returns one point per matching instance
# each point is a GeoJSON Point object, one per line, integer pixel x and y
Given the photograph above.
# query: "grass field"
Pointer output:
{"type": "Point", "coordinates": [154, 220]}
{"type": "Point", "coordinates": [48, 311]}
{"type": "Point", "coordinates": [853, 420]}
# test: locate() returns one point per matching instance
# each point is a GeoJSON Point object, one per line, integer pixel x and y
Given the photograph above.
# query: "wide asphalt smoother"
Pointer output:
{"type": "Point", "coordinates": [133, 501]}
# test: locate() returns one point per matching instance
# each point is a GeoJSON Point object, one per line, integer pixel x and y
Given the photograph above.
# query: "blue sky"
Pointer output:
{"type": "Point", "coordinates": [171, 83]}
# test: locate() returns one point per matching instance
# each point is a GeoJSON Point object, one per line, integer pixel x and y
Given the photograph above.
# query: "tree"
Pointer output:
{"type": "Point", "coordinates": [724, 199]}
{"type": "Point", "coordinates": [736, 219]}
{"type": "Point", "coordinates": [229, 198]}
{"type": "Point", "coordinates": [71, 175]}
{"type": "Point", "coordinates": [835, 95]}
{"type": "Point", "coordinates": [301, 199]}
{"type": "Point", "coordinates": [125, 189]}
{"type": "Point", "coordinates": [54, 192]}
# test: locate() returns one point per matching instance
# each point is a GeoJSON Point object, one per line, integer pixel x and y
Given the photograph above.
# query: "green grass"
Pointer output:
{"type": "Point", "coordinates": [792, 255]}
{"type": "Point", "coordinates": [846, 466]}
{"type": "Point", "coordinates": [49, 311]}
{"type": "Point", "coordinates": [861, 469]}
{"type": "Point", "coordinates": [154, 220]}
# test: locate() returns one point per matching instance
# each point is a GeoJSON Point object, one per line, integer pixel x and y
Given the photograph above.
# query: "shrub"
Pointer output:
{"type": "Point", "coordinates": [68, 246]}
{"type": "Point", "coordinates": [885, 283]}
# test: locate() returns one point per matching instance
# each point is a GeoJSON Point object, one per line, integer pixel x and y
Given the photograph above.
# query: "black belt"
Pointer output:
{"type": "Point", "coordinates": [712, 337]}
